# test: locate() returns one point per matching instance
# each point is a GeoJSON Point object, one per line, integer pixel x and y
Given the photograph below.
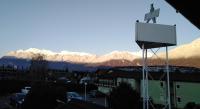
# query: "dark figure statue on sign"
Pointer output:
{"type": "Point", "coordinates": [151, 11]}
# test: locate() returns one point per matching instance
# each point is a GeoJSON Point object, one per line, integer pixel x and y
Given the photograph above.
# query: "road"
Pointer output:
{"type": "Point", "coordinates": [4, 102]}
{"type": "Point", "coordinates": [100, 100]}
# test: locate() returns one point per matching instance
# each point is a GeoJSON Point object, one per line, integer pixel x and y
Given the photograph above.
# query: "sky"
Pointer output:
{"type": "Point", "coordinates": [92, 26]}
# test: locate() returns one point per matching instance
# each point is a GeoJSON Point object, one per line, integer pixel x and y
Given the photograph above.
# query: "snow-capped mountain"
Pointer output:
{"type": "Point", "coordinates": [183, 55]}
{"type": "Point", "coordinates": [75, 57]}
{"type": "Point", "coordinates": [70, 60]}
{"type": "Point", "coordinates": [185, 51]}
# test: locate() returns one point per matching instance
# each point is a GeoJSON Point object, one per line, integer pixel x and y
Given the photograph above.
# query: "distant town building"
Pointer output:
{"type": "Point", "coordinates": [184, 82]}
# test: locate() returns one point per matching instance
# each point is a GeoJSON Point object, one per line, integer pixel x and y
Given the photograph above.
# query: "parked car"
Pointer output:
{"type": "Point", "coordinates": [95, 93]}
{"type": "Point", "coordinates": [17, 99]}
{"type": "Point", "coordinates": [26, 89]}
{"type": "Point", "coordinates": [73, 95]}
{"type": "Point", "coordinates": [85, 80]}
{"type": "Point", "coordinates": [63, 80]}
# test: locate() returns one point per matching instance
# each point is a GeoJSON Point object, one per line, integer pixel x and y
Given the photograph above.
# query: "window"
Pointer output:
{"type": "Point", "coordinates": [161, 84]}
{"type": "Point", "coordinates": [179, 99]}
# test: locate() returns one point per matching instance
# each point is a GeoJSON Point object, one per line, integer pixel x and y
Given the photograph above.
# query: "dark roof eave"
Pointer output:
{"type": "Point", "coordinates": [188, 9]}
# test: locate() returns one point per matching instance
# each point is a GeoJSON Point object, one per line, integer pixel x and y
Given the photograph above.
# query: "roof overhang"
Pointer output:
{"type": "Point", "coordinates": [189, 9]}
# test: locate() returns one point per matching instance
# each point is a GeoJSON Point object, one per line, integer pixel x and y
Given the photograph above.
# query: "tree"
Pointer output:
{"type": "Point", "coordinates": [124, 97]}
{"type": "Point", "coordinates": [190, 105]}
{"type": "Point", "coordinates": [38, 67]}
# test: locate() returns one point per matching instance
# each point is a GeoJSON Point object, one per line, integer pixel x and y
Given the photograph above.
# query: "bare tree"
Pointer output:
{"type": "Point", "coordinates": [38, 67]}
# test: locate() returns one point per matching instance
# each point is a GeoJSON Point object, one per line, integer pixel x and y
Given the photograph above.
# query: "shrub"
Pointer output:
{"type": "Point", "coordinates": [124, 97]}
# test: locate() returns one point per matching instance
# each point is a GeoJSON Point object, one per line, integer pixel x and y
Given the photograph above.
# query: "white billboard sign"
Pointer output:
{"type": "Point", "coordinates": [155, 35]}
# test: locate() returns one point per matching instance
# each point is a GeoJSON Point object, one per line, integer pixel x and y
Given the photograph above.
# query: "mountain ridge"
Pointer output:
{"type": "Point", "coordinates": [183, 55]}
{"type": "Point", "coordinates": [75, 57]}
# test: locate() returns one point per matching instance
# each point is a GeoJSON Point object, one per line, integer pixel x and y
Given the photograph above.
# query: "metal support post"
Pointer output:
{"type": "Point", "coordinates": [168, 82]}
{"type": "Point", "coordinates": [146, 78]}
{"type": "Point", "coordinates": [85, 91]}
{"type": "Point", "coordinates": [143, 77]}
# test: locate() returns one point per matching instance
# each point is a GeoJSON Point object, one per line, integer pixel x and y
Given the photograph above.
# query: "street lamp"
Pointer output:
{"type": "Point", "coordinates": [85, 90]}
{"type": "Point", "coordinates": [105, 102]}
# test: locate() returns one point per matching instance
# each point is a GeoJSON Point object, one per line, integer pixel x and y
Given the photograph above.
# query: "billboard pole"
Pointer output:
{"type": "Point", "coordinates": [168, 83]}
{"type": "Point", "coordinates": [152, 35]}
{"type": "Point", "coordinates": [145, 89]}
{"type": "Point", "coordinates": [143, 80]}
{"type": "Point", "coordinates": [147, 81]}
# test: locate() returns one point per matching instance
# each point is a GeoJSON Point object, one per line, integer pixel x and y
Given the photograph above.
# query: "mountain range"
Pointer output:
{"type": "Point", "coordinates": [183, 55]}
{"type": "Point", "coordinates": [74, 57]}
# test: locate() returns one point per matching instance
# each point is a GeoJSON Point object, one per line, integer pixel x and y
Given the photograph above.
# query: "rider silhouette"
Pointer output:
{"type": "Point", "coordinates": [151, 11]}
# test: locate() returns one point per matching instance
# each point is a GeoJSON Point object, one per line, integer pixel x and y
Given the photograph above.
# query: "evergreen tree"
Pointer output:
{"type": "Point", "coordinates": [124, 97]}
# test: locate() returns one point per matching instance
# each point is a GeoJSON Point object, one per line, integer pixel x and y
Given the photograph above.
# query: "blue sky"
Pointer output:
{"type": "Point", "coordinates": [93, 26]}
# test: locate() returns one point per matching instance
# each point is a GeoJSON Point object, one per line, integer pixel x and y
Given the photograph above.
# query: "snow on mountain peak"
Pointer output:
{"type": "Point", "coordinates": [117, 55]}
{"type": "Point", "coordinates": [79, 57]}
{"type": "Point", "coordinates": [43, 51]}
{"type": "Point", "coordinates": [196, 40]}
{"type": "Point", "coordinates": [137, 54]}
{"type": "Point", "coordinates": [75, 53]}
{"type": "Point", "coordinates": [48, 52]}
{"type": "Point", "coordinates": [185, 51]}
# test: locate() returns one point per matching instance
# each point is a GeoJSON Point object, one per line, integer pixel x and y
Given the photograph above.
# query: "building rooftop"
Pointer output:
{"type": "Point", "coordinates": [177, 73]}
